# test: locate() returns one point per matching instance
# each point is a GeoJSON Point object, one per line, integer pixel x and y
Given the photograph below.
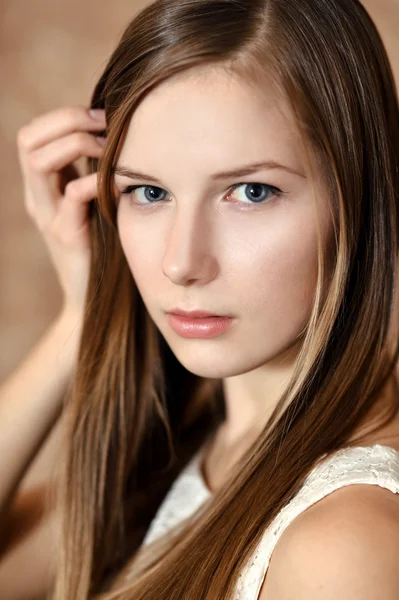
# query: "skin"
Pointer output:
{"type": "Point", "coordinates": [205, 246]}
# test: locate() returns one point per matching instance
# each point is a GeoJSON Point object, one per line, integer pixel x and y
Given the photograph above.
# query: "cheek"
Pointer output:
{"type": "Point", "coordinates": [289, 278]}
{"type": "Point", "coordinates": [140, 245]}
{"type": "Point", "coordinates": [274, 272]}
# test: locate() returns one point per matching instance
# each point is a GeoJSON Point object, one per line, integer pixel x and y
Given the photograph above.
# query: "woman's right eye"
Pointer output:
{"type": "Point", "coordinates": [151, 193]}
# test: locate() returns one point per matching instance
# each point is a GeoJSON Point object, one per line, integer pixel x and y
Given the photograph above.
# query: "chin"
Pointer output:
{"type": "Point", "coordinates": [206, 364]}
{"type": "Point", "coordinates": [208, 372]}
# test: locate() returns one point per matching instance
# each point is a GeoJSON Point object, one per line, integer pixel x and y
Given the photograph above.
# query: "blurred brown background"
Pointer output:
{"type": "Point", "coordinates": [51, 54]}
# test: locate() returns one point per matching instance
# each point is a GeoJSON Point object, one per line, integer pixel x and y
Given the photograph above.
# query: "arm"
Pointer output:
{"type": "Point", "coordinates": [31, 402]}
{"type": "Point", "coordinates": [56, 198]}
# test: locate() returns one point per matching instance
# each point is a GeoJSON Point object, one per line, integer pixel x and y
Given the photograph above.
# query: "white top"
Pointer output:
{"type": "Point", "coordinates": [376, 465]}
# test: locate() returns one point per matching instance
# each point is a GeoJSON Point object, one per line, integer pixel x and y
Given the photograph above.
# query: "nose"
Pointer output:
{"type": "Point", "coordinates": [188, 256]}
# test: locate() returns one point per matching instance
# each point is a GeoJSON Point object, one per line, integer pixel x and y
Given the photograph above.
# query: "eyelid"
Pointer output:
{"type": "Point", "coordinates": [269, 185]}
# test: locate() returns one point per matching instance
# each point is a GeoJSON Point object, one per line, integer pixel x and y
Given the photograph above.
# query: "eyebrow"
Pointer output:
{"type": "Point", "coordinates": [240, 172]}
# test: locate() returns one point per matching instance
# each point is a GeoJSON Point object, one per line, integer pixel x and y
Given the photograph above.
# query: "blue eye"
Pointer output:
{"type": "Point", "coordinates": [151, 196]}
{"type": "Point", "coordinates": [255, 193]}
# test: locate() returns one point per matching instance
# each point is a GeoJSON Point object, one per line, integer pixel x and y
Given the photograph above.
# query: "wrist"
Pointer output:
{"type": "Point", "coordinates": [67, 330]}
{"type": "Point", "coordinates": [70, 318]}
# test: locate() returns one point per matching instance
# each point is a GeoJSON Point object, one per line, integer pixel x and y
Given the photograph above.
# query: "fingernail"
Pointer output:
{"type": "Point", "coordinates": [101, 139]}
{"type": "Point", "coordinates": [97, 113]}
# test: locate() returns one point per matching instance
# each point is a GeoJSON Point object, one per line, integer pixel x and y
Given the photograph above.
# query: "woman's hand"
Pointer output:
{"type": "Point", "coordinates": [56, 197]}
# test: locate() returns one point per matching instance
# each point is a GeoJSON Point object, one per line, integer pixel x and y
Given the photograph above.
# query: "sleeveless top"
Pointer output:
{"type": "Point", "coordinates": [376, 465]}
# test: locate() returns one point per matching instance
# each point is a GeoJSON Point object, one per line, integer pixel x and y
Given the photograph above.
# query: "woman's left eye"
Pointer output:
{"type": "Point", "coordinates": [255, 193]}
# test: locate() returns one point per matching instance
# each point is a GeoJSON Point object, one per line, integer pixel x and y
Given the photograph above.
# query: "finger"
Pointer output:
{"type": "Point", "coordinates": [58, 154]}
{"type": "Point", "coordinates": [72, 214]}
{"type": "Point", "coordinates": [58, 123]}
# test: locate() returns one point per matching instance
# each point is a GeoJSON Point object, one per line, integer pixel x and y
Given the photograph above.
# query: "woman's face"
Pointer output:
{"type": "Point", "coordinates": [193, 242]}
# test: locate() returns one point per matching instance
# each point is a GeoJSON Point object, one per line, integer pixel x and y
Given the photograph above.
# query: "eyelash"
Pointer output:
{"type": "Point", "coordinates": [276, 192]}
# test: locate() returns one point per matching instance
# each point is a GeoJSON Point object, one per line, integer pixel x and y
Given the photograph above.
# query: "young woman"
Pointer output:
{"type": "Point", "coordinates": [236, 373]}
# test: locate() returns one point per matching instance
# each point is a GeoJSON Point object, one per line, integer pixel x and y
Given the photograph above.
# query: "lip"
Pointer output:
{"type": "Point", "coordinates": [202, 325]}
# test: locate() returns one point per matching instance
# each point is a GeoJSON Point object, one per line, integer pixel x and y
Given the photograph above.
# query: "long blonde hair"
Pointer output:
{"type": "Point", "coordinates": [136, 416]}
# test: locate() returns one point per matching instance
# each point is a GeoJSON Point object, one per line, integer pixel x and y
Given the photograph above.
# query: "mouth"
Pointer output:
{"type": "Point", "coordinates": [196, 314]}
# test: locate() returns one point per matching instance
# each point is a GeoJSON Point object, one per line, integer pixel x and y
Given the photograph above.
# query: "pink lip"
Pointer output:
{"type": "Point", "coordinates": [198, 324]}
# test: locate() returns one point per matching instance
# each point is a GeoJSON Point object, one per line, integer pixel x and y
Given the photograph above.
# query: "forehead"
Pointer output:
{"type": "Point", "coordinates": [213, 118]}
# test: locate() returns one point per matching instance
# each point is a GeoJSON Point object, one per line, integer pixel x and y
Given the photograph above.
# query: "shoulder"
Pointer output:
{"type": "Point", "coordinates": [346, 544]}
